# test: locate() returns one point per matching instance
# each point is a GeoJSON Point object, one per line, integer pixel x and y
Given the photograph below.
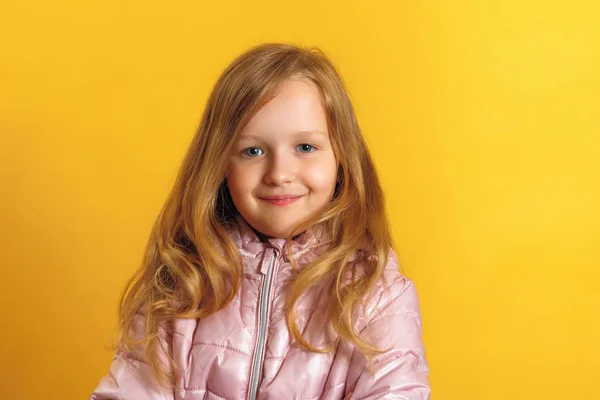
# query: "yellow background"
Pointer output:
{"type": "Point", "coordinates": [482, 117]}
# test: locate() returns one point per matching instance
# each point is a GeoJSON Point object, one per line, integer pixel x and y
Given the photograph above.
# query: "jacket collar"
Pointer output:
{"type": "Point", "coordinates": [248, 240]}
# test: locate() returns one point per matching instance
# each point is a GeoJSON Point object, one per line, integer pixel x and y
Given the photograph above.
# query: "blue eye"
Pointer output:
{"type": "Point", "coordinates": [251, 152]}
{"type": "Point", "coordinates": [305, 148]}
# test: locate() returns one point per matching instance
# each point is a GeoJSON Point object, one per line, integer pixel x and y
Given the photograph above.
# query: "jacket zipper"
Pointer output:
{"type": "Point", "coordinates": [262, 328]}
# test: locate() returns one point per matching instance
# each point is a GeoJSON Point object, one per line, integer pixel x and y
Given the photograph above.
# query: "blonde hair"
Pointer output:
{"type": "Point", "coordinates": [192, 268]}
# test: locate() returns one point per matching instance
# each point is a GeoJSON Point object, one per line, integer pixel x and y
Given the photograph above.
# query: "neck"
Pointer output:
{"type": "Point", "coordinates": [264, 238]}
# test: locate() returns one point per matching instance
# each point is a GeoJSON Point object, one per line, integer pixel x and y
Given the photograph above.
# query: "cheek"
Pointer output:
{"type": "Point", "coordinates": [239, 181]}
{"type": "Point", "coordinates": [235, 182]}
{"type": "Point", "coordinates": [323, 177]}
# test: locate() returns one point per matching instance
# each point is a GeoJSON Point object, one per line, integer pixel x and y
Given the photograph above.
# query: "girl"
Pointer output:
{"type": "Point", "coordinates": [270, 272]}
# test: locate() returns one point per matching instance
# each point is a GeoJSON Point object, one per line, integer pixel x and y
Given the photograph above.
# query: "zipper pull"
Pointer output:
{"type": "Point", "coordinates": [267, 260]}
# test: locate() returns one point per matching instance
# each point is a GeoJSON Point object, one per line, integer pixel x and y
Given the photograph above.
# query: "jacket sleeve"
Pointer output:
{"type": "Point", "coordinates": [130, 377]}
{"type": "Point", "coordinates": [394, 323]}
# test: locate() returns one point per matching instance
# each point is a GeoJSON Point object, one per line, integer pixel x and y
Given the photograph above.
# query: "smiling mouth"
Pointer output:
{"type": "Point", "coordinates": [281, 201]}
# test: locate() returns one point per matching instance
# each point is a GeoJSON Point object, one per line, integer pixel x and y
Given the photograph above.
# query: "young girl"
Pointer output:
{"type": "Point", "coordinates": [270, 272]}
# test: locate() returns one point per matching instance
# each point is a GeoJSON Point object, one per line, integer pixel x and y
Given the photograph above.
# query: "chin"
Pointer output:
{"type": "Point", "coordinates": [277, 233]}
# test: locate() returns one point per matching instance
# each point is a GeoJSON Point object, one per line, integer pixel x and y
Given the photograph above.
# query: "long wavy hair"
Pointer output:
{"type": "Point", "coordinates": [192, 268]}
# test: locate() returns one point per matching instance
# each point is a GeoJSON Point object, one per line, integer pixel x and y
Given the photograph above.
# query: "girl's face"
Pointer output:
{"type": "Point", "coordinates": [283, 170]}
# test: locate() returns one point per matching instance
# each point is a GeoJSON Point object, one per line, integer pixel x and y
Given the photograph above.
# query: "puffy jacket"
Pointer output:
{"type": "Point", "coordinates": [245, 351]}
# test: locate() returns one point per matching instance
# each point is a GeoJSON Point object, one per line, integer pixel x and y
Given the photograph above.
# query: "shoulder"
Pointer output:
{"type": "Point", "coordinates": [393, 294]}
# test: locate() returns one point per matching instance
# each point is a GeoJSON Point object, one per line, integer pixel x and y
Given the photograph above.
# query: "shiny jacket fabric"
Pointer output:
{"type": "Point", "coordinates": [245, 351]}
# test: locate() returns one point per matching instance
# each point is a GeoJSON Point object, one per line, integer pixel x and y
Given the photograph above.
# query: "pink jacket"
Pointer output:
{"type": "Point", "coordinates": [245, 350]}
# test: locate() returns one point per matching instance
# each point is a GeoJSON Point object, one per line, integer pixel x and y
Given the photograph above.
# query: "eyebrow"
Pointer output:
{"type": "Point", "coordinates": [299, 133]}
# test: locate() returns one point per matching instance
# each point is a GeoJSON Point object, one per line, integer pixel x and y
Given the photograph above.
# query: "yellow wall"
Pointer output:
{"type": "Point", "coordinates": [482, 117]}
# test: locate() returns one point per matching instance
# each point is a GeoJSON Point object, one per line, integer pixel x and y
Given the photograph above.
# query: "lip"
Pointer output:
{"type": "Point", "coordinates": [281, 200]}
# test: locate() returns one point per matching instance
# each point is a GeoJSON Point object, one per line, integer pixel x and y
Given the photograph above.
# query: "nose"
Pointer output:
{"type": "Point", "coordinates": [281, 169]}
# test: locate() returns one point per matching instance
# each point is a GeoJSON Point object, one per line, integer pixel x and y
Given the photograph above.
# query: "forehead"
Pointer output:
{"type": "Point", "coordinates": [296, 108]}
